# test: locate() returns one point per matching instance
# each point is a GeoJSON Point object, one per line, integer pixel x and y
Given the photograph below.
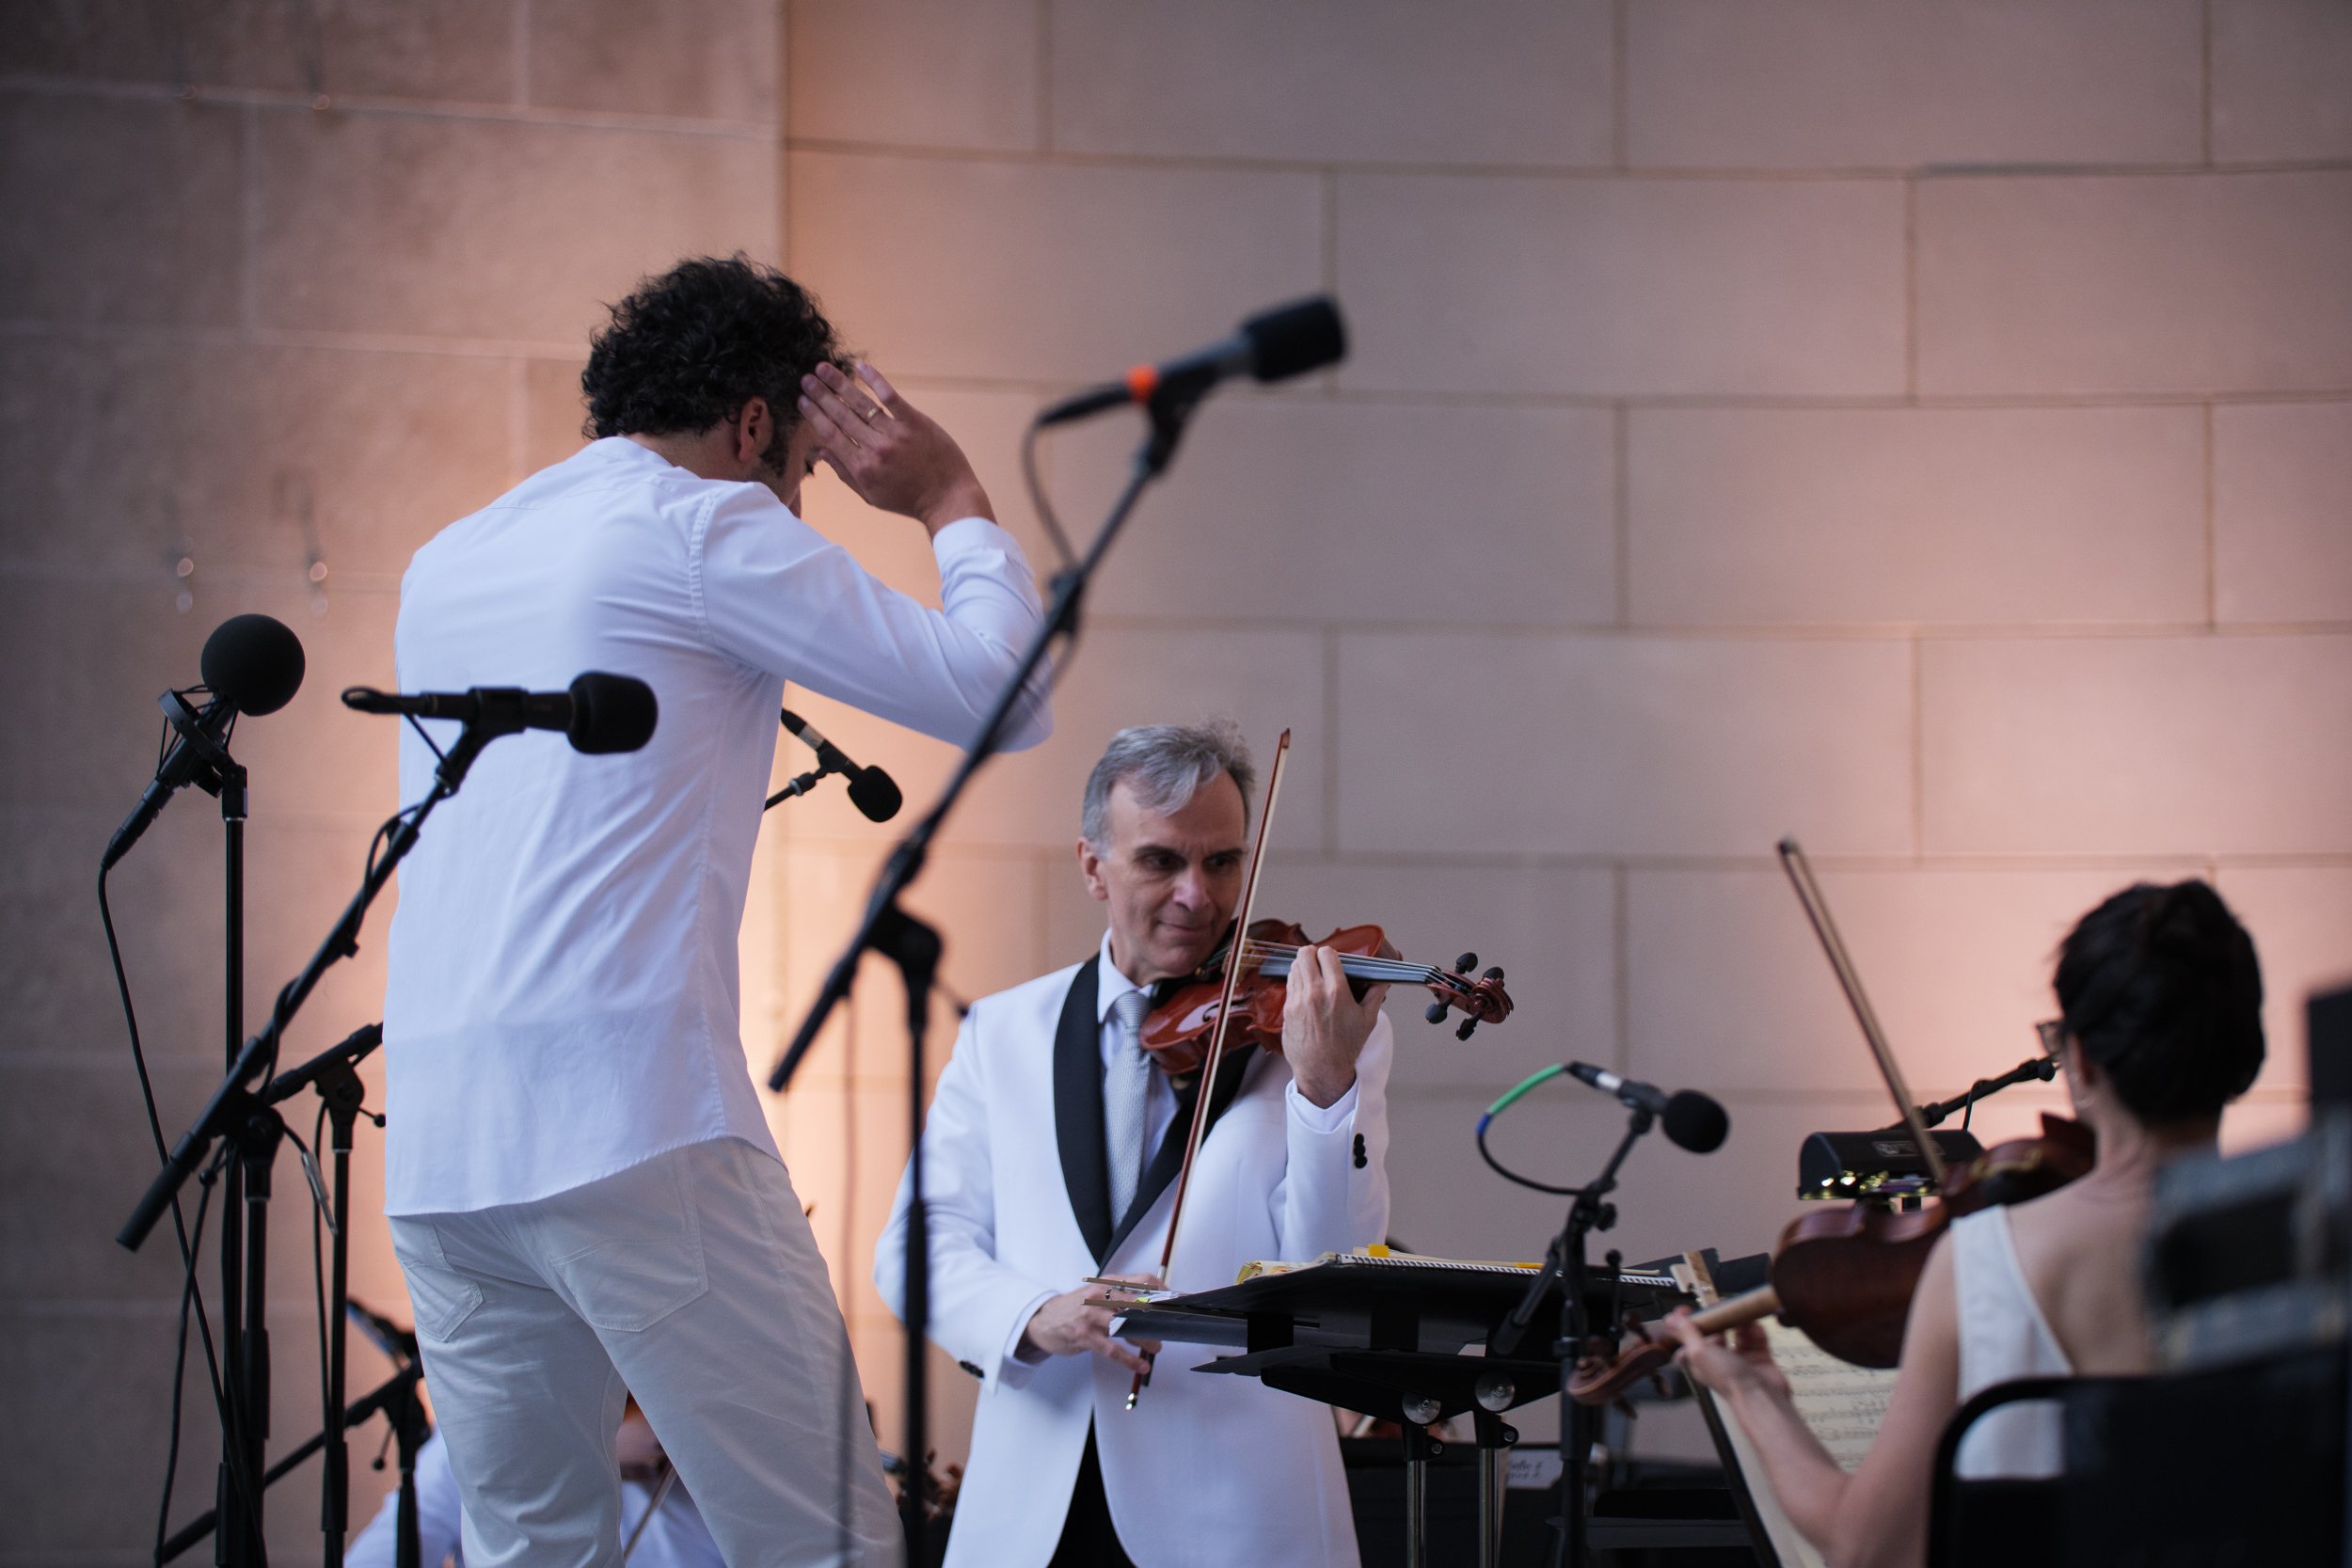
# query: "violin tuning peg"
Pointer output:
{"type": "Point", "coordinates": [1435, 1012]}
{"type": "Point", "coordinates": [1494, 973]}
{"type": "Point", "coordinates": [1470, 1021]}
{"type": "Point", "coordinates": [1467, 962]}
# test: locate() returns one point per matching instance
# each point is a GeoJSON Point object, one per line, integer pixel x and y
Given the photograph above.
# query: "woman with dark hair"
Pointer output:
{"type": "Point", "coordinates": [2159, 1027]}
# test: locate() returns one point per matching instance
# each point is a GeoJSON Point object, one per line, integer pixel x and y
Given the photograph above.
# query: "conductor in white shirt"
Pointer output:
{"type": "Point", "coordinates": [1049, 1156]}
{"type": "Point", "coordinates": [584, 1192]}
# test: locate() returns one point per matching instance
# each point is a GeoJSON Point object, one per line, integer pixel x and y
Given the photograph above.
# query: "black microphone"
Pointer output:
{"type": "Point", "coordinates": [601, 713]}
{"type": "Point", "coordinates": [1691, 1120]}
{"type": "Point", "coordinates": [1272, 345]}
{"type": "Point", "coordinates": [250, 664]}
{"type": "Point", "coordinates": [871, 790]}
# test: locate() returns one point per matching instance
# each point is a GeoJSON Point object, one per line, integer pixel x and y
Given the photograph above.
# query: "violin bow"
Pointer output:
{"type": "Point", "coordinates": [1215, 1058]}
{"type": "Point", "coordinates": [1816, 910]}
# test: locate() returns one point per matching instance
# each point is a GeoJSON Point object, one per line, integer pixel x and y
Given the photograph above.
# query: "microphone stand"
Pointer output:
{"type": "Point", "coordinates": [243, 1299]}
{"type": "Point", "coordinates": [1565, 1262]}
{"type": "Point", "coordinates": [890, 931]}
{"type": "Point", "coordinates": [396, 1400]}
{"type": "Point", "coordinates": [244, 1189]}
{"type": "Point", "coordinates": [236, 1113]}
{"type": "Point", "coordinates": [2037, 1069]}
{"type": "Point", "coordinates": [330, 1073]}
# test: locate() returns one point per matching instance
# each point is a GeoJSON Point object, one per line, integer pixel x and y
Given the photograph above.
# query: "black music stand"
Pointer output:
{"type": "Point", "coordinates": [1390, 1336]}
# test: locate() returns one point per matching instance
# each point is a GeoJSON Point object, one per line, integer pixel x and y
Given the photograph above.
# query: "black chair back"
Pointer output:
{"type": "Point", "coordinates": [2210, 1470]}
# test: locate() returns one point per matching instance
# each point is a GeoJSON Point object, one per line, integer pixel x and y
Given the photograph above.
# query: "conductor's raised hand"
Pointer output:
{"type": "Point", "coordinates": [1324, 1026]}
{"type": "Point", "coordinates": [1067, 1325]}
{"type": "Point", "coordinates": [890, 452]}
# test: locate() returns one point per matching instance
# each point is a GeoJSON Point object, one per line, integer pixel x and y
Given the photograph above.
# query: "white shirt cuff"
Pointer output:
{"type": "Point", "coordinates": [966, 534]}
{"type": "Point", "coordinates": [1012, 1369]}
{"type": "Point", "coordinates": [1322, 1118]}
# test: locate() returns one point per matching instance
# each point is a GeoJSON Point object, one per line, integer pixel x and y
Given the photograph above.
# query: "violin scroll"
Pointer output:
{"type": "Point", "coordinates": [1481, 1001]}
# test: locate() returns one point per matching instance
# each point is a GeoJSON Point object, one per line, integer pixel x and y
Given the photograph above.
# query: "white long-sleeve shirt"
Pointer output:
{"type": "Point", "coordinates": [562, 999]}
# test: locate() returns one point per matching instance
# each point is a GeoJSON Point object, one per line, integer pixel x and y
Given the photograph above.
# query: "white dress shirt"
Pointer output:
{"type": "Point", "coordinates": [562, 998]}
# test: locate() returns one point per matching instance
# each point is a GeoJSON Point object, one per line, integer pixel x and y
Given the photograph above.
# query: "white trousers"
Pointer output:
{"type": "Point", "coordinates": [692, 1281]}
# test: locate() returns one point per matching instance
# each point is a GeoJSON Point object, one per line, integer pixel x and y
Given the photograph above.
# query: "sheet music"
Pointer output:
{"type": "Point", "coordinates": [1380, 1256]}
{"type": "Point", "coordinates": [1841, 1403]}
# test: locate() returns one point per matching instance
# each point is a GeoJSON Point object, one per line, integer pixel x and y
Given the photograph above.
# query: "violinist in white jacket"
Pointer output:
{"type": "Point", "coordinates": [1050, 1155]}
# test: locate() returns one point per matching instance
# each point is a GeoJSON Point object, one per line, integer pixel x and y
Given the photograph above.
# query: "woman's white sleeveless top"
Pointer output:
{"type": "Point", "coordinates": [2003, 1337]}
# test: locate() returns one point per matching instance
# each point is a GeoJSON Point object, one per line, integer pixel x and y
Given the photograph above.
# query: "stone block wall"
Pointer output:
{"type": "Point", "coordinates": [1923, 427]}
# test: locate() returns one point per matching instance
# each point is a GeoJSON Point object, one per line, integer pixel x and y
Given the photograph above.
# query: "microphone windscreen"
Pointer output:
{"type": "Point", "coordinates": [1292, 339]}
{"type": "Point", "coordinates": [610, 713]}
{"type": "Point", "coordinates": [1694, 1122]}
{"type": "Point", "coordinates": [876, 793]}
{"type": "Point", "coordinates": [253, 662]}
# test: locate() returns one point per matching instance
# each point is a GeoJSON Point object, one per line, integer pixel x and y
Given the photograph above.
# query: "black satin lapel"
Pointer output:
{"type": "Point", "coordinates": [1078, 1110]}
{"type": "Point", "coordinates": [1171, 1158]}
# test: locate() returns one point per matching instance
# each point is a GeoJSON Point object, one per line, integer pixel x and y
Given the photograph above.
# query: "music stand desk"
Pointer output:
{"type": "Point", "coordinates": [1398, 1337]}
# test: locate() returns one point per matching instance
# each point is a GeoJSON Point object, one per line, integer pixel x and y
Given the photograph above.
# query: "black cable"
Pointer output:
{"type": "Point", "coordinates": [189, 1245]}
{"type": "Point", "coordinates": [1059, 667]}
{"type": "Point", "coordinates": [1509, 1175]}
{"type": "Point", "coordinates": [188, 1293]}
{"type": "Point", "coordinates": [333, 1417]}
{"type": "Point", "coordinates": [384, 830]}
{"type": "Point", "coordinates": [1037, 494]}
{"type": "Point", "coordinates": [418, 725]}
{"type": "Point", "coordinates": [1511, 1097]}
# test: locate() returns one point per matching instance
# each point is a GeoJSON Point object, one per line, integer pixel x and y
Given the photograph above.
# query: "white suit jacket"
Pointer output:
{"type": "Point", "coordinates": [1208, 1469]}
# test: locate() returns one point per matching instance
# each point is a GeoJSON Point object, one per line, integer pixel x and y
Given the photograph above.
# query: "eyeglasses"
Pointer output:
{"type": "Point", "coordinates": [2053, 1034]}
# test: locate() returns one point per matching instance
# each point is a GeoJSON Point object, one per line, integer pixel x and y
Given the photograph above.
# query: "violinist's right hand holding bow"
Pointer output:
{"type": "Point", "coordinates": [1735, 1365]}
{"type": "Point", "coordinates": [1071, 1324]}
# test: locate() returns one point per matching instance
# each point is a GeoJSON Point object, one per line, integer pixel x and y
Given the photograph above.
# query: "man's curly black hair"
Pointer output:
{"type": "Point", "coordinates": [691, 347]}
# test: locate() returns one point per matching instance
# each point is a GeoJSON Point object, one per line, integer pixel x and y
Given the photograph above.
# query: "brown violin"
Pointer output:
{"type": "Point", "coordinates": [1177, 1030]}
{"type": "Point", "coordinates": [1846, 1276]}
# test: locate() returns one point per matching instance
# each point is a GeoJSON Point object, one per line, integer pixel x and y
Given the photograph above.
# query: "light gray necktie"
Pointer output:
{"type": "Point", "coordinates": [1126, 1093]}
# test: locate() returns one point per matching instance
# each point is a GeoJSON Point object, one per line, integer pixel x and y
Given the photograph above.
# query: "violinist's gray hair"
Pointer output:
{"type": "Point", "coordinates": [1166, 764]}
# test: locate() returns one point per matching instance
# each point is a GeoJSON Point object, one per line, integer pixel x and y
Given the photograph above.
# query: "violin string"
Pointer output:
{"type": "Point", "coordinates": [1375, 969]}
{"type": "Point", "coordinates": [1363, 967]}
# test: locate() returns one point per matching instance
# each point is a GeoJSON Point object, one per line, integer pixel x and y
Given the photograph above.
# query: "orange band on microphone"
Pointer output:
{"type": "Point", "coordinates": [1142, 382]}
